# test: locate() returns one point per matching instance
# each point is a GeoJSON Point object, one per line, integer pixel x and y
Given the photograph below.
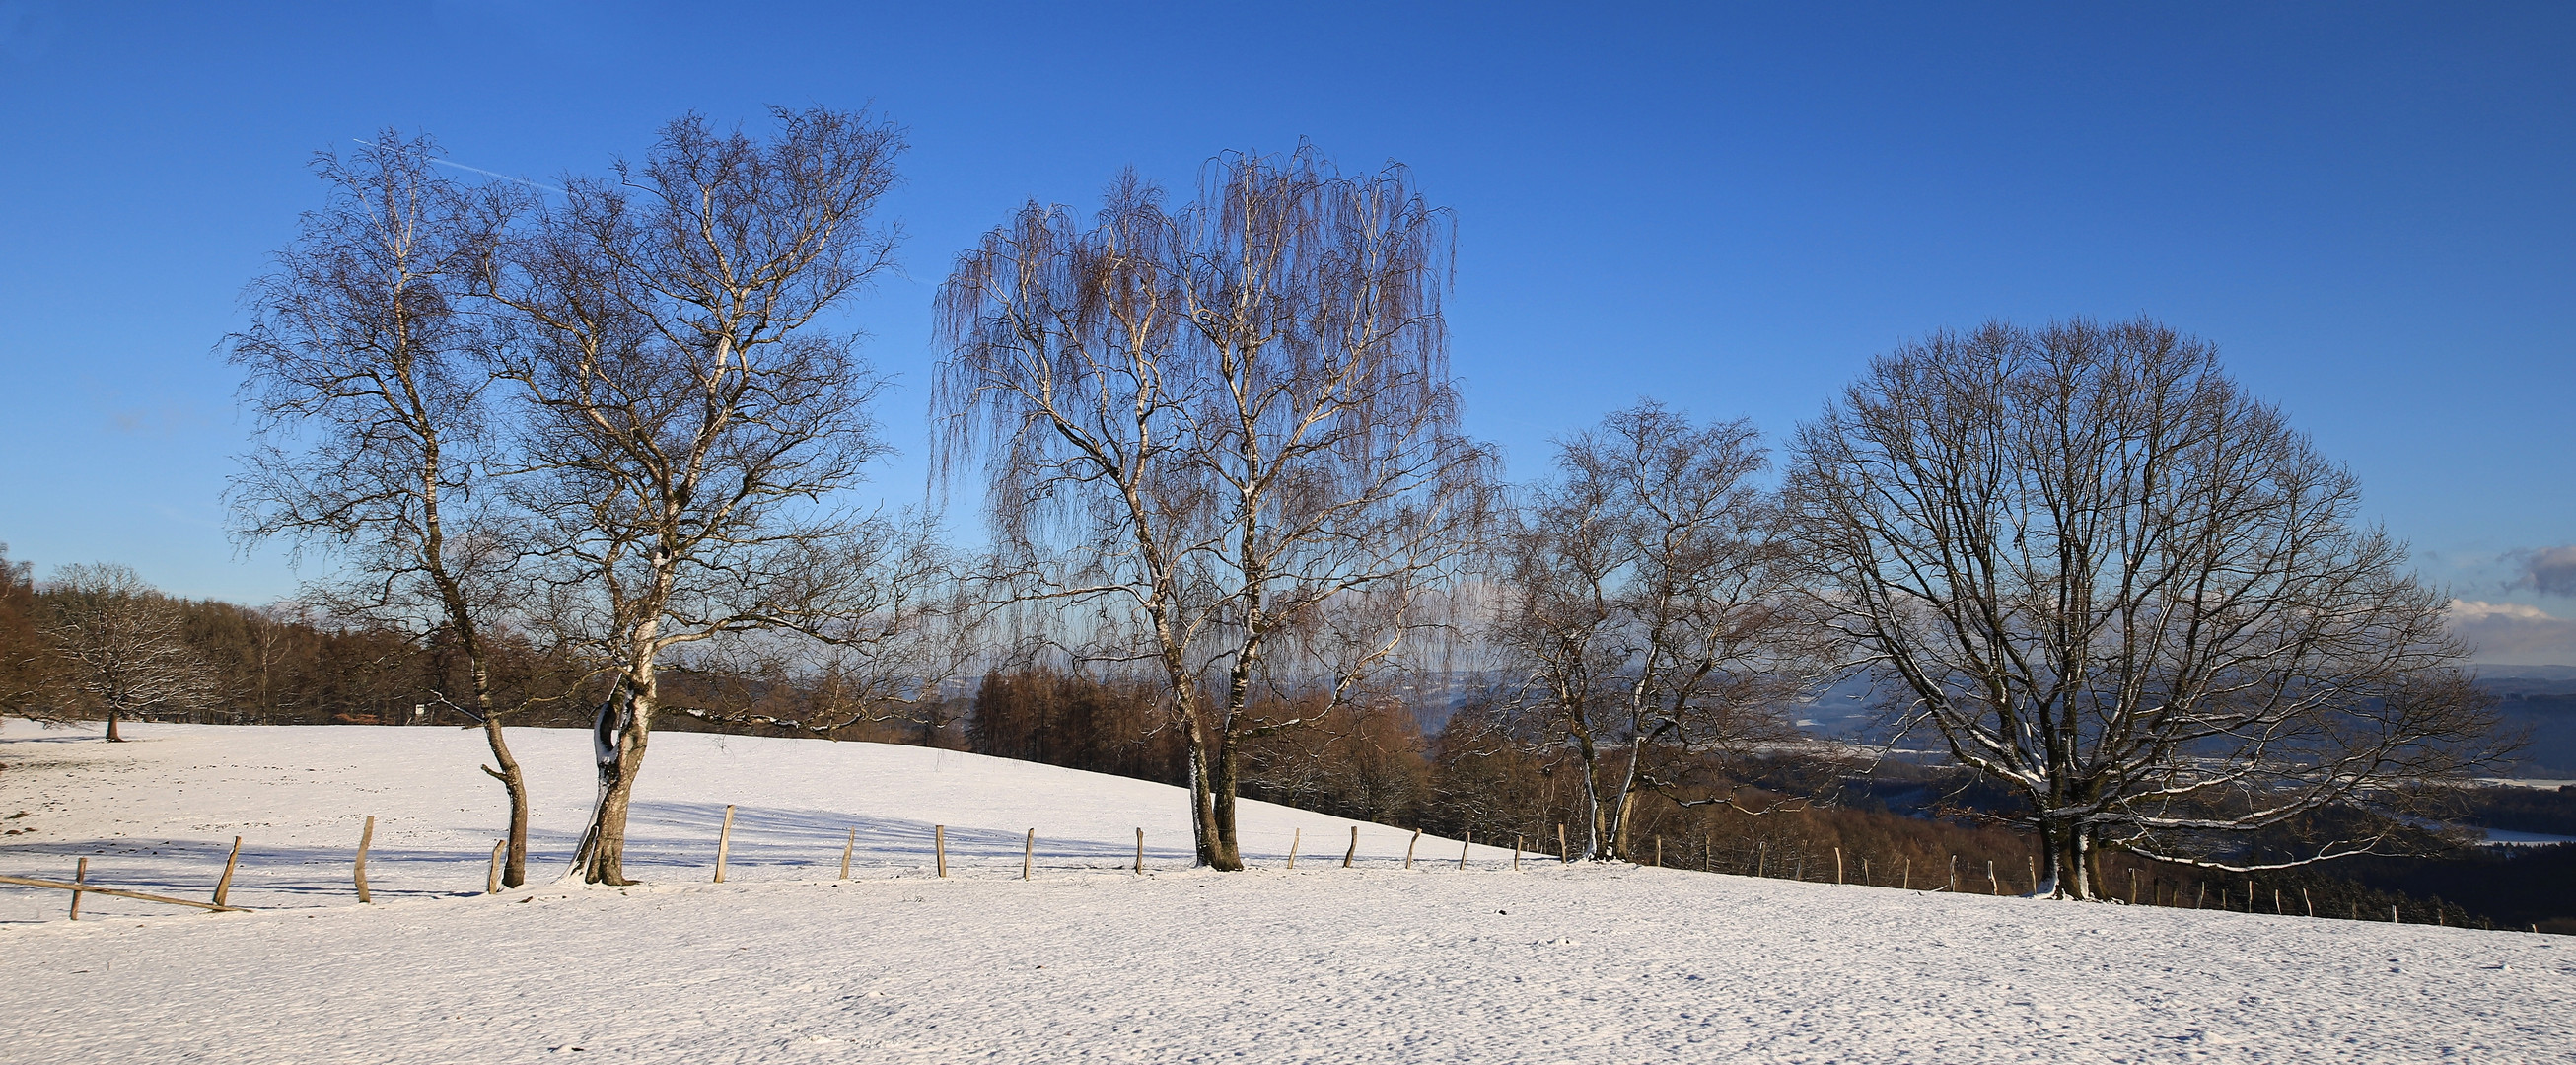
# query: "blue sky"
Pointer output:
{"type": "Point", "coordinates": [2367, 207]}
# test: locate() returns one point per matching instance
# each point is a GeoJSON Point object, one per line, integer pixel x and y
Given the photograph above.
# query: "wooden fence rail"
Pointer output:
{"type": "Point", "coordinates": [94, 889]}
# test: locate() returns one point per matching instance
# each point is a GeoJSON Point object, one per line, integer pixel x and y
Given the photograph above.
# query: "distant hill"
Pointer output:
{"type": "Point", "coordinates": [2541, 699]}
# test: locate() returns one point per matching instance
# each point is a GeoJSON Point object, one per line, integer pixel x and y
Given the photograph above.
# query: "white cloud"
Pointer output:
{"type": "Point", "coordinates": [2518, 633]}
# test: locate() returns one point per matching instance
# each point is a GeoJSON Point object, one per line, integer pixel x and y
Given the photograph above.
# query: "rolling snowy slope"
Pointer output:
{"type": "Point", "coordinates": [1088, 962]}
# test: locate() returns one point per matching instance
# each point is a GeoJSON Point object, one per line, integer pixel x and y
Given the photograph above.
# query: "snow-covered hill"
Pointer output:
{"type": "Point", "coordinates": [1089, 961]}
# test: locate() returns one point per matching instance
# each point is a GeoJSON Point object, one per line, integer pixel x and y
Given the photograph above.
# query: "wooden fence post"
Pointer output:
{"type": "Point", "coordinates": [1762, 858]}
{"type": "Point", "coordinates": [846, 847]}
{"type": "Point", "coordinates": [2392, 914]}
{"type": "Point", "coordinates": [1295, 836]}
{"type": "Point", "coordinates": [2133, 887]}
{"type": "Point", "coordinates": [80, 875]}
{"type": "Point", "coordinates": [1462, 848]}
{"type": "Point", "coordinates": [224, 886]}
{"type": "Point", "coordinates": [2033, 860]}
{"type": "Point", "coordinates": [1838, 865]}
{"type": "Point", "coordinates": [1562, 854]}
{"type": "Point", "coordinates": [1864, 872]}
{"type": "Point", "coordinates": [1140, 852]}
{"type": "Point", "coordinates": [1954, 874]}
{"type": "Point", "coordinates": [1909, 872]}
{"type": "Point", "coordinates": [724, 842]}
{"type": "Point", "coordinates": [1354, 852]}
{"type": "Point", "coordinates": [1028, 853]}
{"type": "Point", "coordinates": [939, 848]}
{"type": "Point", "coordinates": [492, 876]}
{"type": "Point", "coordinates": [1516, 852]}
{"type": "Point", "coordinates": [358, 872]}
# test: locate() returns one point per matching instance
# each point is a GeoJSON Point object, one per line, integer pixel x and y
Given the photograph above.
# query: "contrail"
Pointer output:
{"type": "Point", "coordinates": [479, 170]}
{"type": "Point", "coordinates": [504, 177]}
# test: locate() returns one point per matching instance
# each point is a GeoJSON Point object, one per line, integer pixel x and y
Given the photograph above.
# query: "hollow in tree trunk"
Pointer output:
{"type": "Point", "coordinates": [619, 735]}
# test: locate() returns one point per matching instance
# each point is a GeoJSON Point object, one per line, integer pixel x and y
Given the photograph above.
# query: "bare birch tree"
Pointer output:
{"type": "Point", "coordinates": [688, 422]}
{"type": "Point", "coordinates": [1228, 431]}
{"type": "Point", "coordinates": [362, 363]}
{"type": "Point", "coordinates": [2118, 586]}
{"type": "Point", "coordinates": [123, 645]}
{"type": "Point", "coordinates": [1641, 609]}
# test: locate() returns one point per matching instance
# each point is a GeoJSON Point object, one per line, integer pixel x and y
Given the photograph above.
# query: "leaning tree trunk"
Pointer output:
{"type": "Point", "coordinates": [515, 872]}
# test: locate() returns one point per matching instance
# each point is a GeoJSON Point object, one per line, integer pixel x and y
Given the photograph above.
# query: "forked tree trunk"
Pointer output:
{"type": "Point", "coordinates": [1212, 783]}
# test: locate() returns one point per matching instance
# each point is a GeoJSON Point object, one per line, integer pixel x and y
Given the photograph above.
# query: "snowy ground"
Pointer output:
{"type": "Point", "coordinates": [1379, 964]}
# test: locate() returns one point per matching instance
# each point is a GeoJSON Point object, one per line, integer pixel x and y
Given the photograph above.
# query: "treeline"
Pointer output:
{"type": "Point", "coordinates": [97, 642]}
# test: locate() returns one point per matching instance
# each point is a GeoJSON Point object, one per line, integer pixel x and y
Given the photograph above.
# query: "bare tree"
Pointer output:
{"type": "Point", "coordinates": [1229, 431]}
{"type": "Point", "coordinates": [688, 423]}
{"type": "Point", "coordinates": [2128, 592]}
{"type": "Point", "coordinates": [362, 366]}
{"type": "Point", "coordinates": [1641, 615]}
{"type": "Point", "coordinates": [122, 643]}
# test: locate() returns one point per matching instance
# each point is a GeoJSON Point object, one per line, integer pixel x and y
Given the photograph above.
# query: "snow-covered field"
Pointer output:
{"type": "Point", "coordinates": [1087, 961]}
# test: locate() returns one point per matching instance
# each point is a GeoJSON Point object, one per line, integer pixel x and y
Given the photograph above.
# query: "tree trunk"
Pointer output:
{"type": "Point", "coordinates": [1623, 838]}
{"type": "Point", "coordinates": [2066, 861]}
{"type": "Point", "coordinates": [515, 872]}
{"type": "Point", "coordinates": [112, 734]}
{"type": "Point", "coordinates": [1203, 834]}
{"type": "Point", "coordinates": [2052, 865]}
{"type": "Point", "coordinates": [624, 735]}
{"type": "Point", "coordinates": [1227, 849]}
